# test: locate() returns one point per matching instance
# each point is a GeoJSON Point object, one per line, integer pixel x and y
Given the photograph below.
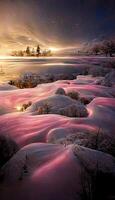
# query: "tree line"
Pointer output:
{"type": "Point", "coordinates": [32, 52]}
{"type": "Point", "coordinates": [107, 48]}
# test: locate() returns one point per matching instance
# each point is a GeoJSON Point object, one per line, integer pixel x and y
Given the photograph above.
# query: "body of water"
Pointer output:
{"type": "Point", "coordinates": [13, 67]}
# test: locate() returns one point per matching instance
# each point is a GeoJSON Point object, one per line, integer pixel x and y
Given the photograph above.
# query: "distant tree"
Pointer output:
{"type": "Point", "coordinates": [108, 48]}
{"type": "Point", "coordinates": [38, 50]}
{"type": "Point", "coordinates": [21, 53]}
{"type": "Point", "coordinates": [104, 50]}
{"type": "Point", "coordinates": [49, 53]}
{"type": "Point", "coordinates": [14, 53]}
{"type": "Point", "coordinates": [96, 49]}
{"type": "Point", "coordinates": [28, 51]}
{"type": "Point", "coordinates": [46, 52]}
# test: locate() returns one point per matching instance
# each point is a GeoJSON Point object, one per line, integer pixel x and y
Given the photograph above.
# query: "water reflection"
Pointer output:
{"type": "Point", "coordinates": [13, 67]}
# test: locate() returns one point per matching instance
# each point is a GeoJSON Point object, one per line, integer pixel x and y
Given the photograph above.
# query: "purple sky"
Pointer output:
{"type": "Point", "coordinates": [55, 22]}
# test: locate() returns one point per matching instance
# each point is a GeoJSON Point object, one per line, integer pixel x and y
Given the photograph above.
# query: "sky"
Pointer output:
{"type": "Point", "coordinates": [55, 23]}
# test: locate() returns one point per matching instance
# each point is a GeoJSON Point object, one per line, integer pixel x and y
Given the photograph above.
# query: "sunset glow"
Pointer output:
{"type": "Point", "coordinates": [19, 108]}
{"type": "Point", "coordinates": [54, 49]}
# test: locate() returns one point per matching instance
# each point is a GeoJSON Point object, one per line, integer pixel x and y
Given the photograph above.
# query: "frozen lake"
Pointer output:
{"type": "Point", "coordinates": [12, 67]}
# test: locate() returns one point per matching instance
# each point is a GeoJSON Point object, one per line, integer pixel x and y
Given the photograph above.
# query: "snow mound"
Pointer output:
{"type": "Point", "coordinates": [3, 110]}
{"type": "Point", "coordinates": [8, 148]}
{"type": "Point", "coordinates": [98, 71]}
{"type": "Point", "coordinates": [109, 79]}
{"type": "Point", "coordinates": [93, 140]}
{"type": "Point", "coordinates": [33, 155]}
{"type": "Point", "coordinates": [85, 80]}
{"type": "Point", "coordinates": [57, 135]}
{"type": "Point", "coordinates": [90, 158]}
{"type": "Point", "coordinates": [60, 91]}
{"type": "Point", "coordinates": [59, 104]}
{"type": "Point", "coordinates": [6, 86]}
{"type": "Point", "coordinates": [52, 168]}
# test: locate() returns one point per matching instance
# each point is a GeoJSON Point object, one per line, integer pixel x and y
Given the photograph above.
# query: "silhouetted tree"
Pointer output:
{"type": "Point", "coordinates": [21, 53]}
{"type": "Point", "coordinates": [96, 49]}
{"type": "Point", "coordinates": [38, 50]}
{"type": "Point", "coordinates": [28, 51]}
{"type": "Point", "coordinates": [108, 48]}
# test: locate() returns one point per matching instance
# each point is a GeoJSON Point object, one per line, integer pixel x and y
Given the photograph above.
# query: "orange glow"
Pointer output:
{"type": "Point", "coordinates": [19, 108]}
{"type": "Point", "coordinates": [54, 49]}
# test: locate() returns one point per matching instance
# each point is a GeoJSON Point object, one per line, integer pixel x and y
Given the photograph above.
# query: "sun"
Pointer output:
{"type": "Point", "coordinates": [53, 49]}
{"type": "Point", "coordinates": [19, 108]}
